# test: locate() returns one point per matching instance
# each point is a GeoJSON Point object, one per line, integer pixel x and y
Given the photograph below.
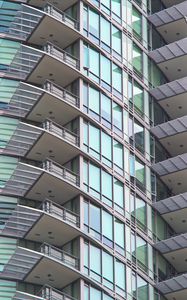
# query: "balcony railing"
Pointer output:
{"type": "Point", "coordinates": [50, 293]}
{"type": "Point", "coordinates": [60, 255]}
{"type": "Point", "coordinates": [61, 212]}
{"type": "Point", "coordinates": [62, 55]}
{"type": "Point", "coordinates": [61, 131]}
{"type": "Point", "coordinates": [61, 16]}
{"type": "Point", "coordinates": [62, 93]}
{"type": "Point", "coordinates": [61, 171]}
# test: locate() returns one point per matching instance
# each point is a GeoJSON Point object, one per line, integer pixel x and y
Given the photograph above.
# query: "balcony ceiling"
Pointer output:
{"type": "Point", "coordinates": [54, 69]}
{"type": "Point", "coordinates": [172, 97]}
{"type": "Point", "coordinates": [49, 229]}
{"type": "Point", "coordinates": [49, 271]}
{"type": "Point", "coordinates": [58, 33]}
{"type": "Point", "coordinates": [173, 172]}
{"type": "Point", "coordinates": [50, 145]}
{"type": "Point", "coordinates": [174, 250]}
{"type": "Point", "coordinates": [173, 135]}
{"type": "Point", "coordinates": [171, 59]}
{"type": "Point", "coordinates": [171, 22]}
{"type": "Point", "coordinates": [52, 187]}
{"type": "Point", "coordinates": [53, 107]}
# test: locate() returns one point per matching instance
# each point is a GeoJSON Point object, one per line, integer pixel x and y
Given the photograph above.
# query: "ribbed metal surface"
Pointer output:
{"type": "Point", "coordinates": [20, 222]}
{"type": "Point", "coordinates": [170, 51]}
{"type": "Point", "coordinates": [170, 89]}
{"type": "Point", "coordinates": [22, 179]}
{"type": "Point", "coordinates": [171, 165]}
{"type": "Point", "coordinates": [170, 128]}
{"type": "Point", "coordinates": [172, 244]}
{"type": "Point", "coordinates": [172, 285]}
{"type": "Point", "coordinates": [169, 15]}
{"type": "Point", "coordinates": [171, 204]}
{"type": "Point", "coordinates": [20, 264]}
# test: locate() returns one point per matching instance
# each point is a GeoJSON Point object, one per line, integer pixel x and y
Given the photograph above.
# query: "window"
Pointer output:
{"type": "Point", "coordinates": [99, 68]}
{"type": "Point", "coordinates": [101, 30]}
{"type": "Point", "coordinates": [137, 59]}
{"type": "Point", "coordinates": [137, 23]}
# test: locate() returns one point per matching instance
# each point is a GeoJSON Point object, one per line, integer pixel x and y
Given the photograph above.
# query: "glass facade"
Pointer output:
{"type": "Point", "coordinates": [78, 187]}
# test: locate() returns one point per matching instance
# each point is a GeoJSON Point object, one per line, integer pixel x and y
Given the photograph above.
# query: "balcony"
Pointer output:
{"type": "Point", "coordinates": [38, 104]}
{"type": "Point", "coordinates": [50, 293]}
{"type": "Point", "coordinates": [174, 211]}
{"type": "Point", "coordinates": [173, 172]}
{"type": "Point", "coordinates": [57, 22]}
{"type": "Point", "coordinates": [33, 224]}
{"type": "Point", "coordinates": [174, 288]}
{"type": "Point", "coordinates": [171, 23]}
{"type": "Point", "coordinates": [30, 179]}
{"type": "Point", "coordinates": [172, 97]}
{"type": "Point", "coordinates": [48, 265]}
{"type": "Point", "coordinates": [49, 140]}
{"type": "Point", "coordinates": [171, 59]}
{"type": "Point", "coordinates": [174, 250]}
{"type": "Point", "coordinates": [36, 66]}
{"type": "Point", "coordinates": [25, 296]}
{"type": "Point", "coordinates": [60, 4]}
{"type": "Point", "coordinates": [173, 135]}
{"type": "Point", "coordinates": [56, 64]}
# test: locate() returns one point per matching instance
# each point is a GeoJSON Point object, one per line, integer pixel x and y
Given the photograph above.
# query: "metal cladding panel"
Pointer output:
{"type": "Point", "coordinates": [169, 15]}
{"type": "Point", "coordinates": [170, 89]}
{"type": "Point", "coordinates": [171, 204]}
{"type": "Point", "coordinates": [170, 51]}
{"type": "Point", "coordinates": [171, 165]}
{"type": "Point", "coordinates": [170, 128]}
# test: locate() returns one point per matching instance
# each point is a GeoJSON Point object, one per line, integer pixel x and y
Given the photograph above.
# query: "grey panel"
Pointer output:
{"type": "Point", "coordinates": [171, 165]}
{"type": "Point", "coordinates": [169, 15]}
{"type": "Point", "coordinates": [171, 204]}
{"type": "Point", "coordinates": [170, 128]}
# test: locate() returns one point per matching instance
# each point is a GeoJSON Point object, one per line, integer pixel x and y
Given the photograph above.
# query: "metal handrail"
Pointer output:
{"type": "Point", "coordinates": [51, 166]}
{"type": "Point", "coordinates": [60, 211]}
{"type": "Point", "coordinates": [59, 254]}
{"type": "Point", "coordinates": [61, 15]}
{"type": "Point", "coordinates": [63, 132]}
{"type": "Point", "coordinates": [62, 55]}
{"type": "Point", "coordinates": [53, 294]}
{"type": "Point", "coordinates": [61, 92]}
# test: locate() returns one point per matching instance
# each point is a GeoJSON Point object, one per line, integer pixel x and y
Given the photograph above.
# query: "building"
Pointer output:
{"type": "Point", "coordinates": [93, 162]}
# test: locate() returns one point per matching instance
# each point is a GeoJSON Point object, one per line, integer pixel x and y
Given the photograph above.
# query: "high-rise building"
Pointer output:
{"type": "Point", "coordinates": [93, 158]}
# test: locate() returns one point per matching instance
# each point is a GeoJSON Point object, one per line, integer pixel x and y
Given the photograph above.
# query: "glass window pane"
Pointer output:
{"type": "Point", "coordinates": [93, 23]}
{"type": "Point", "coordinates": [118, 154]}
{"type": "Point", "coordinates": [106, 185]}
{"type": "Point", "coordinates": [107, 226]}
{"type": "Point", "coordinates": [137, 59]}
{"type": "Point", "coordinates": [118, 193]}
{"type": "Point", "coordinates": [105, 31]}
{"type": "Point", "coordinates": [95, 260]}
{"type": "Point", "coordinates": [120, 274]}
{"type": "Point", "coordinates": [106, 148]}
{"type": "Point", "coordinates": [117, 78]}
{"type": "Point", "coordinates": [105, 69]}
{"type": "Point", "coordinates": [106, 110]}
{"type": "Point", "coordinates": [94, 62]}
{"type": "Point", "coordinates": [107, 264]}
{"type": "Point", "coordinates": [117, 115]}
{"type": "Point", "coordinates": [94, 100]}
{"type": "Point", "coordinates": [94, 177]}
{"type": "Point", "coordinates": [116, 39]}
{"type": "Point", "coordinates": [94, 139]}
{"type": "Point", "coordinates": [95, 222]}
